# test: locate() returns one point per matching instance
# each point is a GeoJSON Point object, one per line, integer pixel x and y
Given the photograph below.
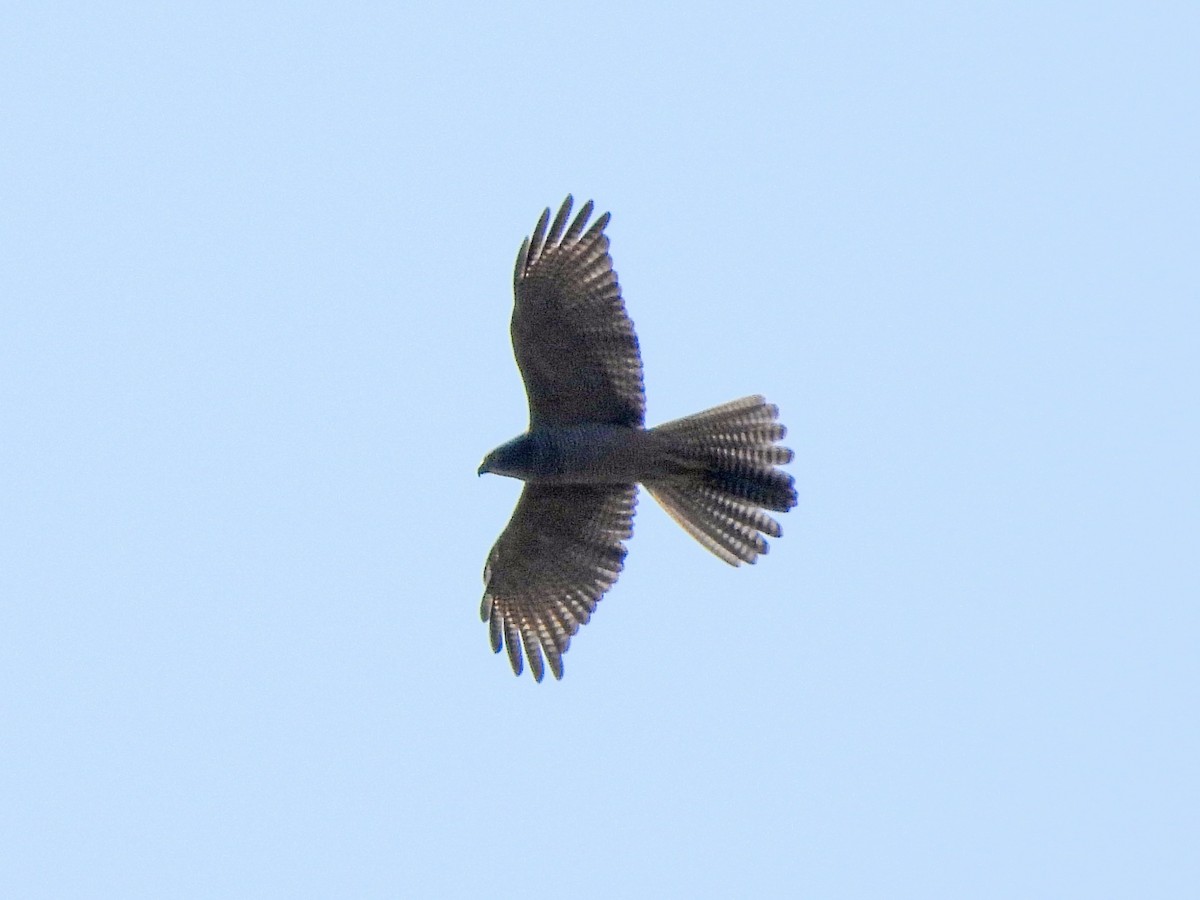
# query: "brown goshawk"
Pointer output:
{"type": "Point", "coordinates": [587, 449]}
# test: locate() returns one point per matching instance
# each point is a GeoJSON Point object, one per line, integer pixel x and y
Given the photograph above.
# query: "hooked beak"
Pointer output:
{"type": "Point", "coordinates": [484, 468]}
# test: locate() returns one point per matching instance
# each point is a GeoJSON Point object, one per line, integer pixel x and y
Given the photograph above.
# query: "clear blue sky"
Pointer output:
{"type": "Point", "coordinates": [255, 270]}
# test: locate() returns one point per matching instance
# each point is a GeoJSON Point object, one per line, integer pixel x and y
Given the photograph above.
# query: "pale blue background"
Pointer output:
{"type": "Point", "coordinates": [255, 270]}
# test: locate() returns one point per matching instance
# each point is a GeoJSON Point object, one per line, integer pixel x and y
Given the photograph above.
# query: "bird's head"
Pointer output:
{"type": "Point", "coordinates": [516, 459]}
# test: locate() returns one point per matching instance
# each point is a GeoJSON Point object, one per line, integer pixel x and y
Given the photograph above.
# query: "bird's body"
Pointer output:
{"type": "Point", "coordinates": [582, 454]}
{"type": "Point", "coordinates": [587, 449]}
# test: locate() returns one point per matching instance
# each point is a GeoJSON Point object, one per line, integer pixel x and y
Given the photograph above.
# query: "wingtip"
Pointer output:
{"type": "Point", "coordinates": [533, 653]}
{"type": "Point", "coordinates": [564, 208]}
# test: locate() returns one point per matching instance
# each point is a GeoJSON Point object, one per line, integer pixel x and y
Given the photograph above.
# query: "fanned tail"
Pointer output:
{"type": "Point", "coordinates": [725, 476]}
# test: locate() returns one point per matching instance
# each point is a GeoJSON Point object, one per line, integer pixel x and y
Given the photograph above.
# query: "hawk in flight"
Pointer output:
{"type": "Point", "coordinates": [587, 449]}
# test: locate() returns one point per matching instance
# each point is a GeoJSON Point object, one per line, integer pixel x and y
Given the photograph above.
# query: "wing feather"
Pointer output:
{"type": "Point", "coordinates": [561, 551]}
{"type": "Point", "coordinates": [573, 340]}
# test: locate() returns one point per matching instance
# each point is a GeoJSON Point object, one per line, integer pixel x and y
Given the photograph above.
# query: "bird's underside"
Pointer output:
{"type": "Point", "coordinates": [586, 450]}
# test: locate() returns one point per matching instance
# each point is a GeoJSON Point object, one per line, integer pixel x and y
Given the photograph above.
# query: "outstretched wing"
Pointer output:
{"type": "Point", "coordinates": [561, 550]}
{"type": "Point", "coordinates": [574, 344]}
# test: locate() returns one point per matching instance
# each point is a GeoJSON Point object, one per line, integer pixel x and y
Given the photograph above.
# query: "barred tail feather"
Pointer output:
{"type": "Point", "coordinates": [725, 461]}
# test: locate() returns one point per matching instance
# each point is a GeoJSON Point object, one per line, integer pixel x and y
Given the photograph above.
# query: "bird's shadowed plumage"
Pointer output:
{"type": "Point", "coordinates": [586, 451]}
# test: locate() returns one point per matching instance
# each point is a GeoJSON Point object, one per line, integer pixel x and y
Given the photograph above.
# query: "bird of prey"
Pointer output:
{"type": "Point", "coordinates": [587, 449]}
